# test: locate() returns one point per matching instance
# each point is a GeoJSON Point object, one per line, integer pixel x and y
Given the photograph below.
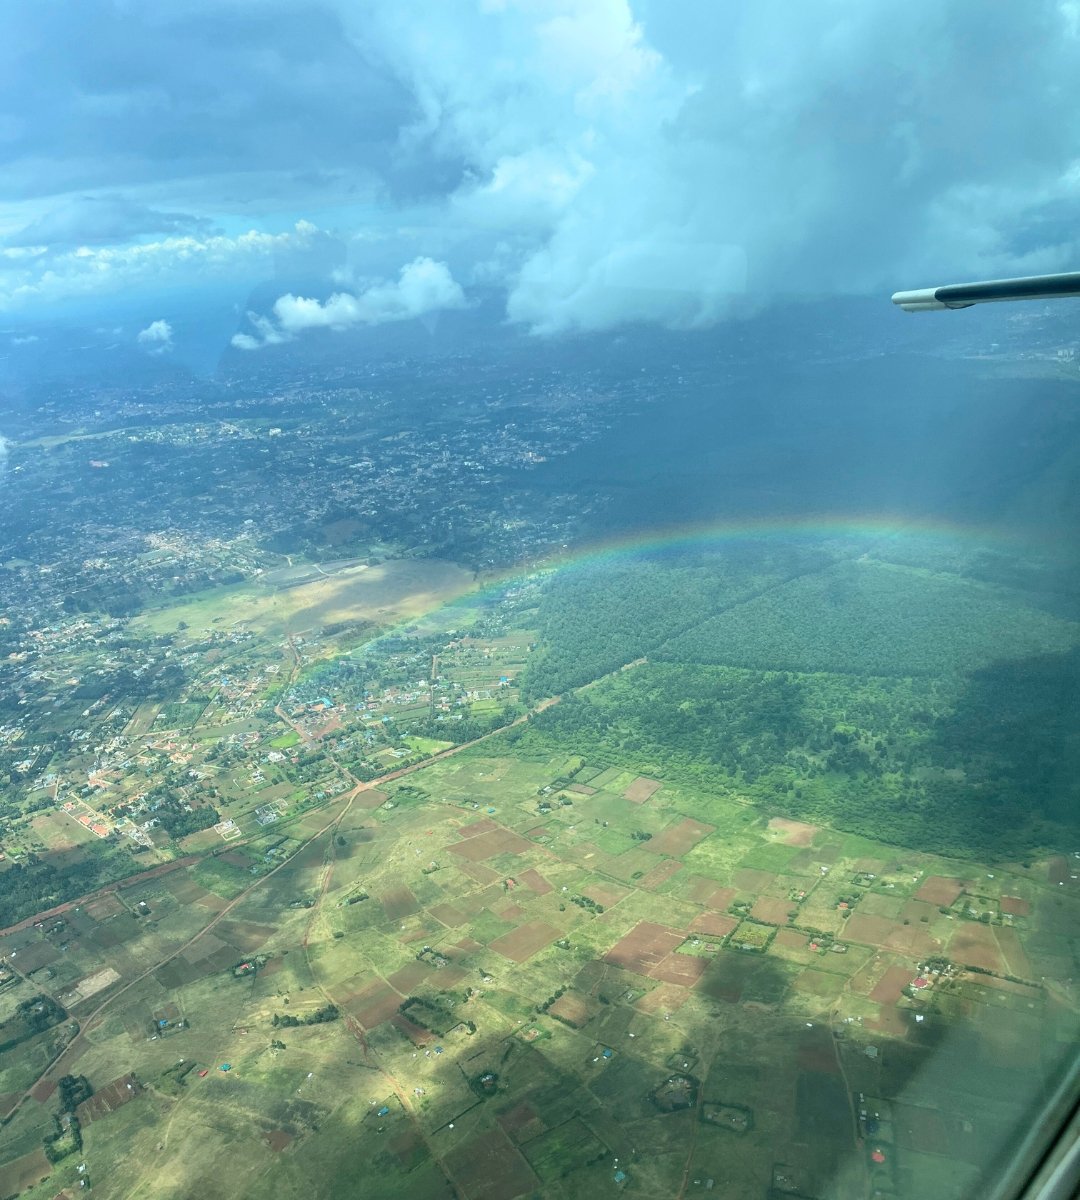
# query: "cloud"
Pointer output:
{"type": "Point", "coordinates": [50, 276]}
{"type": "Point", "coordinates": [664, 158]}
{"type": "Point", "coordinates": [156, 337]}
{"type": "Point", "coordinates": [606, 161]}
{"type": "Point", "coordinates": [95, 220]}
{"type": "Point", "coordinates": [202, 98]}
{"type": "Point", "coordinates": [423, 286]}
{"type": "Point", "coordinates": [3, 453]}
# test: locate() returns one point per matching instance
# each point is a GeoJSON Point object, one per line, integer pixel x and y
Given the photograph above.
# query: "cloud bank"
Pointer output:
{"type": "Point", "coordinates": [666, 157]}
{"type": "Point", "coordinates": [601, 161]}
{"type": "Point", "coordinates": [423, 286]}
{"type": "Point", "coordinates": [39, 276]}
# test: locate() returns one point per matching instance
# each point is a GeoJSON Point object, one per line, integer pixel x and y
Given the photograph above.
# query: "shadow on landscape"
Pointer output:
{"type": "Point", "coordinates": [767, 1099]}
{"type": "Point", "coordinates": [1015, 732]}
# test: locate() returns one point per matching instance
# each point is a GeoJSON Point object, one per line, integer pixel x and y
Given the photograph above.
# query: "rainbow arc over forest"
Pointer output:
{"type": "Point", "coordinates": [882, 527]}
{"type": "Point", "coordinates": [867, 529]}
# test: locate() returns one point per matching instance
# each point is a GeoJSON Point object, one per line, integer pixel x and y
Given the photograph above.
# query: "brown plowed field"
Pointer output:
{"type": "Point", "coordinates": [641, 789]}
{"type": "Point", "coordinates": [398, 902]}
{"type": "Point", "coordinates": [644, 947]}
{"type": "Point", "coordinates": [409, 976]}
{"type": "Point", "coordinates": [975, 945]}
{"type": "Point", "coordinates": [535, 881]}
{"type": "Point", "coordinates": [572, 1008]}
{"type": "Point", "coordinates": [475, 828]}
{"type": "Point", "coordinates": [679, 838]}
{"type": "Point", "coordinates": [108, 1099]}
{"type": "Point", "coordinates": [682, 969]}
{"type": "Point", "coordinates": [22, 1173]}
{"type": "Point", "coordinates": [940, 890]}
{"type": "Point", "coordinates": [373, 1004]}
{"type": "Point", "coordinates": [487, 845]}
{"type": "Point", "coordinates": [523, 942]}
{"type": "Point", "coordinates": [793, 833]}
{"type": "Point", "coordinates": [488, 1167]}
{"type": "Point", "coordinates": [891, 985]}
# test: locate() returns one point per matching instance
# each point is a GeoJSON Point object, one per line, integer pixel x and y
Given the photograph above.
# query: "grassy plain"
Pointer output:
{"type": "Point", "coordinates": [578, 1026]}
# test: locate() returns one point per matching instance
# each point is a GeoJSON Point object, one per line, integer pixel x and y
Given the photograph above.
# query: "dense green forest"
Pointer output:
{"type": "Point", "coordinates": [874, 618]}
{"type": "Point", "coordinates": [595, 617]}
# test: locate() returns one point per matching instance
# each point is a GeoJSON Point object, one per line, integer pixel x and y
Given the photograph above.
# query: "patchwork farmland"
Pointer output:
{"type": "Point", "coordinates": [496, 977]}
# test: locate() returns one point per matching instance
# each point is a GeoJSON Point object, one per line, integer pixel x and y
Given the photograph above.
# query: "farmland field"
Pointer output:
{"type": "Point", "coordinates": [667, 929]}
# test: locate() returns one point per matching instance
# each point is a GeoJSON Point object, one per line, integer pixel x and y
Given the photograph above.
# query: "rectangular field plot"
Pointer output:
{"type": "Point", "coordinates": [644, 947]}
{"type": "Point", "coordinates": [659, 875]}
{"type": "Point", "coordinates": [772, 910]}
{"type": "Point", "coordinates": [641, 789]}
{"type": "Point", "coordinates": [937, 889]}
{"type": "Point", "coordinates": [677, 839]}
{"type": "Point", "coordinates": [488, 1167]}
{"type": "Point", "coordinates": [683, 969]}
{"type": "Point", "coordinates": [716, 925]}
{"type": "Point", "coordinates": [793, 833]}
{"type": "Point", "coordinates": [891, 985]}
{"type": "Point", "coordinates": [108, 1099]}
{"type": "Point", "coordinates": [373, 1004]}
{"type": "Point", "coordinates": [522, 943]}
{"type": "Point", "coordinates": [819, 983]}
{"type": "Point", "coordinates": [398, 902]}
{"type": "Point", "coordinates": [752, 936]}
{"type": "Point", "coordinates": [1016, 959]}
{"type": "Point", "coordinates": [489, 844]}
{"type": "Point", "coordinates": [535, 882]}
{"type": "Point", "coordinates": [974, 945]}
{"type": "Point", "coordinates": [22, 1173]}
{"type": "Point", "coordinates": [560, 1151]}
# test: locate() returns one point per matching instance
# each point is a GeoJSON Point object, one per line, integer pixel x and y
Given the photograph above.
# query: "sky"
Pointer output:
{"type": "Point", "coordinates": [594, 162]}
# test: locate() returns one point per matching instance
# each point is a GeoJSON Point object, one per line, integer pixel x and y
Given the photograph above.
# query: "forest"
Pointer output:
{"type": "Point", "coordinates": [36, 883]}
{"type": "Point", "coordinates": [925, 708]}
{"type": "Point", "coordinates": [595, 617]}
{"type": "Point", "coordinates": [874, 618]}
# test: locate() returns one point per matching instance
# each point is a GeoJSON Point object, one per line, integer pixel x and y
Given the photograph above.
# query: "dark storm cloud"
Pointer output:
{"type": "Point", "coordinates": [111, 95]}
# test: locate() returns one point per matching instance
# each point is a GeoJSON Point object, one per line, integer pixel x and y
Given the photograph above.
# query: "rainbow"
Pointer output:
{"type": "Point", "coordinates": [872, 530]}
{"type": "Point", "coordinates": [879, 527]}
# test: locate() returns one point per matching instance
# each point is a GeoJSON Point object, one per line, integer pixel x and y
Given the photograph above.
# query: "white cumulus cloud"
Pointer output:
{"type": "Point", "coordinates": [423, 286]}
{"type": "Point", "coordinates": [156, 337]}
